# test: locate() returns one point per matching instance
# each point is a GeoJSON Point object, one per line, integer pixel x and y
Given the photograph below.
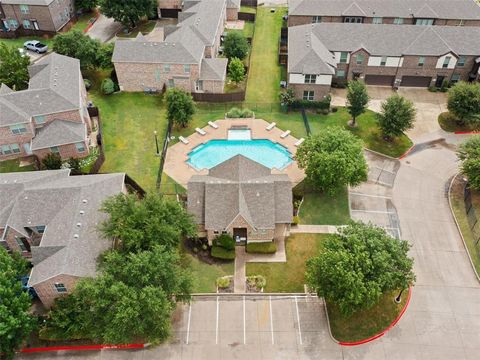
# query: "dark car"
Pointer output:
{"type": "Point", "coordinates": [30, 290]}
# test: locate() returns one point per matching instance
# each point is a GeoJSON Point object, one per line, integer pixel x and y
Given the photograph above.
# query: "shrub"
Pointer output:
{"type": "Point", "coordinates": [235, 45]}
{"type": "Point", "coordinates": [323, 111]}
{"type": "Point", "coordinates": [324, 104]}
{"type": "Point", "coordinates": [225, 241]}
{"type": "Point", "coordinates": [239, 113]}
{"type": "Point", "coordinates": [445, 85]}
{"type": "Point", "coordinates": [295, 220]}
{"type": "Point", "coordinates": [221, 253]}
{"type": "Point", "coordinates": [108, 86]}
{"type": "Point", "coordinates": [432, 88]}
{"type": "Point", "coordinates": [204, 247]}
{"type": "Point", "coordinates": [88, 84]}
{"type": "Point", "coordinates": [223, 282]}
{"type": "Point", "coordinates": [259, 281]}
{"type": "Point", "coordinates": [52, 161]}
{"type": "Point", "coordinates": [262, 247]}
{"type": "Point", "coordinates": [334, 109]}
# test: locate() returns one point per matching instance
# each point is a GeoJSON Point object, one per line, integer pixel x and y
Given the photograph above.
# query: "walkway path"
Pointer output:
{"type": "Point", "coordinates": [104, 29]}
{"type": "Point", "coordinates": [314, 229]}
{"type": "Point", "coordinates": [239, 276]}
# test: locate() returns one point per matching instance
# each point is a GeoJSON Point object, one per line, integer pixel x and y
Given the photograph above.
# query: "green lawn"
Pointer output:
{"type": "Point", "coordinates": [289, 276]}
{"type": "Point", "coordinates": [14, 166]}
{"type": "Point", "coordinates": [458, 206]}
{"type": "Point", "coordinates": [448, 122]}
{"type": "Point", "coordinates": [367, 129]}
{"type": "Point", "coordinates": [365, 323]}
{"type": "Point", "coordinates": [322, 209]}
{"type": "Point", "coordinates": [83, 21]}
{"type": "Point", "coordinates": [265, 72]}
{"type": "Point", "coordinates": [248, 9]}
{"type": "Point", "coordinates": [247, 30]}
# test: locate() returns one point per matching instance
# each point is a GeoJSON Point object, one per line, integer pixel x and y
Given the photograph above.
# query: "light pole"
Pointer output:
{"type": "Point", "coordinates": [399, 297]}
{"type": "Point", "coordinates": [156, 141]}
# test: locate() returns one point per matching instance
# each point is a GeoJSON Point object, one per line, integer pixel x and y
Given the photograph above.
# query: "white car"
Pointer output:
{"type": "Point", "coordinates": [36, 46]}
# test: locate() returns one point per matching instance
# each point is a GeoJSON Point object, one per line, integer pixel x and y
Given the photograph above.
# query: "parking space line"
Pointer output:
{"type": "Point", "coordinates": [216, 327]}
{"type": "Point", "coordinates": [188, 324]}
{"type": "Point", "coordinates": [298, 321]}
{"type": "Point", "coordinates": [271, 320]}
{"type": "Point", "coordinates": [244, 325]}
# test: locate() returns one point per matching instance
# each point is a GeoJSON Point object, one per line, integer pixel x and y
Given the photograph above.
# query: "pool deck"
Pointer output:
{"type": "Point", "coordinates": [178, 169]}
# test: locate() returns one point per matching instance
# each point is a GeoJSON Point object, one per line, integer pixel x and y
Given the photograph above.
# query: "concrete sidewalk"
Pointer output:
{"type": "Point", "coordinates": [104, 29]}
{"type": "Point", "coordinates": [314, 229]}
{"type": "Point", "coordinates": [239, 276]}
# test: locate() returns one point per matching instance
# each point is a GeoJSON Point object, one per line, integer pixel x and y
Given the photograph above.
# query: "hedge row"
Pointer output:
{"type": "Point", "coordinates": [221, 253]}
{"type": "Point", "coordinates": [299, 104]}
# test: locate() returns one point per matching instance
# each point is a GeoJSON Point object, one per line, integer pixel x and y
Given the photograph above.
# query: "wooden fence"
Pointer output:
{"type": "Point", "coordinates": [219, 98]}
{"type": "Point", "coordinates": [93, 112]}
{"type": "Point", "coordinates": [246, 16]}
{"type": "Point", "coordinates": [253, 3]}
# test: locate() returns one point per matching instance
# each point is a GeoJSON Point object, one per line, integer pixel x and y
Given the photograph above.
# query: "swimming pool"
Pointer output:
{"type": "Point", "coordinates": [263, 151]}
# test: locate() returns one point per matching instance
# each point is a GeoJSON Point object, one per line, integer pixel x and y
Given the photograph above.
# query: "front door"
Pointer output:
{"type": "Point", "coordinates": [240, 235]}
{"type": "Point", "coordinates": [35, 25]}
{"type": "Point", "coordinates": [439, 81]}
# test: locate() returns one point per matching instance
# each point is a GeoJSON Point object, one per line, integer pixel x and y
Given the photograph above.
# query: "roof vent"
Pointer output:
{"type": "Point", "coordinates": [84, 201]}
{"type": "Point", "coordinates": [258, 194]}
{"type": "Point", "coordinates": [26, 197]}
{"type": "Point", "coordinates": [76, 236]}
{"type": "Point", "coordinates": [82, 212]}
{"type": "Point", "coordinates": [79, 224]}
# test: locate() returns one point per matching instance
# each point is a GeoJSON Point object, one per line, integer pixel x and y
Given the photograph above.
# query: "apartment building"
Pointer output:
{"type": "Point", "coordinates": [322, 54]}
{"type": "Point", "coordinates": [398, 12]}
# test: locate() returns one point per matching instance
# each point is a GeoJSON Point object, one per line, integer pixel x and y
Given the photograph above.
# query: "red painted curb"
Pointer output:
{"type": "Point", "coordinates": [82, 348]}
{"type": "Point", "coordinates": [406, 152]}
{"type": "Point", "coordinates": [374, 337]}
{"type": "Point", "coordinates": [466, 132]}
{"type": "Point", "coordinates": [89, 26]}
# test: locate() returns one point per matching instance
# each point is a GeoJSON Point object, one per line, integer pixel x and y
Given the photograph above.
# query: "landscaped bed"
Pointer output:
{"type": "Point", "coordinates": [450, 123]}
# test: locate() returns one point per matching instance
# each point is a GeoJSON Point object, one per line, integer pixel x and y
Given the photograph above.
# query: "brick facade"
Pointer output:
{"type": "Point", "coordinates": [66, 151]}
{"type": "Point", "coordinates": [47, 291]}
{"type": "Point", "coordinates": [320, 91]}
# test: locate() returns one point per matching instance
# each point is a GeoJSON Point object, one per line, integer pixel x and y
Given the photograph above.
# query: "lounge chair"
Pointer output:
{"type": "Point", "coordinates": [299, 142]}
{"type": "Point", "coordinates": [213, 125]}
{"type": "Point", "coordinates": [271, 126]}
{"type": "Point", "coordinates": [183, 140]}
{"type": "Point", "coordinates": [285, 134]}
{"type": "Point", "coordinates": [200, 131]}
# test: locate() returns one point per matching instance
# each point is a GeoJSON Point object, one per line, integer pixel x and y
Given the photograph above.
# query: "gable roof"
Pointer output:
{"type": "Point", "coordinates": [213, 69]}
{"type": "Point", "coordinates": [59, 132]}
{"type": "Point", "coordinates": [70, 243]}
{"type": "Point", "coordinates": [240, 187]}
{"type": "Point", "coordinates": [440, 9]}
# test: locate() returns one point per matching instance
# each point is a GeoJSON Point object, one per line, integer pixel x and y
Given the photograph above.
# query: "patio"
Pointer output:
{"type": "Point", "coordinates": [176, 165]}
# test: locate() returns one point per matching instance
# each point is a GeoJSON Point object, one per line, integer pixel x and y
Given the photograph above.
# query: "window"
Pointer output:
{"type": "Point", "coordinates": [26, 24]}
{"type": "Point", "coordinates": [10, 149]}
{"type": "Point", "coordinates": [360, 59]}
{"type": "Point", "coordinates": [15, 148]}
{"type": "Point", "coordinates": [310, 79]}
{"type": "Point", "coordinates": [215, 231]}
{"type": "Point", "coordinates": [340, 74]}
{"type": "Point", "coordinates": [343, 57]}
{"type": "Point", "coordinates": [171, 83]}
{"type": "Point", "coordinates": [55, 150]}
{"type": "Point", "coordinates": [13, 24]}
{"type": "Point", "coordinates": [39, 120]}
{"type": "Point", "coordinates": [353, 19]}
{"type": "Point", "coordinates": [166, 68]}
{"type": "Point", "coordinates": [80, 146]}
{"type": "Point", "coordinates": [40, 229]}
{"type": "Point", "coordinates": [18, 129]}
{"type": "Point", "coordinates": [224, 231]}
{"type": "Point", "coordinates": [316, 19]}
{"type": "Point", "coordinates": [424, 22]}
{"type": "Point", "coordinates": [308, 95]}
{"type": "Point", "coordinates": [446, 61]}
{"type": "Point", "coordinates": [21, 244]}
{"type": "Point", "coordinates": [157, 75]}
{"type": "Point", "coordinates": [455, 78]}
{"type": "Point", "coordinates": [24, 9]}
{"type": "Point", "coordinates": [383, 61]}
{"type": "Point", "coordinates": [60, 287]}
{"type": "Point", "coordinates": [398, 21]}
{"type": "Point", "coordinates": [461, 61]}
{"type": "Point", "coordinates": [186, 68]}
{"type": "Point", "coordinates": [421, 60]}
{"type": "Point", "coordinates": [6, 150]}
{"type": "Point", "coordinates": [461, 22]}
{"type": "Point", "coordinates": [377, 20]}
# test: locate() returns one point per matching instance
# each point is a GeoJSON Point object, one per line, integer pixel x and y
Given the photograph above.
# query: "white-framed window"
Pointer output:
{"type": "Point", "coordinates": [455, 78]}
{"type": "Point", "coordinates": [21, 244]}
{"type": "Point", "coordinates": [9, 149]}
{"type": "Point", "coordinates": [316, 19]}
{"type": "Point", "coordinates": [80, 146]}
{"type": "Point", "coordinates": [15, 148]}
{"type": "Point", "coordinates": [40, 229]}
{"type": "Point", "coordinates": [215, 231]}
{"type": "Point", "coordinates": [383, 61]}
{"type": "Point", "coordinates": [186, 68]}
{"type": "Point", "coordinates": [18, 129]}
{"type": "Point", "coordinates": [421, 60]}
{"type": "Point", "coordinates": [446, 61]}
{"type": "Point", "coordinates": [310, 78]}
{"type": "Point", "coordinates": [343, 57]}
{"type": "Point", "coordinates": [39, 120]}
{"type": "Point", "coordinates": [461, 61]}
{"type": "Point", "coordinates": [171, 83]}
{"type": "Point", "coordinates": [12, 24]}
{"type": "Point", "coordinates": [308, 95]}
{"type": "Point", "coordinates": [55, 150]}
{"type": "Point", "coordinates": [360, 59]}
{"type": "Point", "coordinates": [377, 20]}
{"type": "Point", "coordinates": [340, 74]}
{"type": "Point", "coordinates": [24, 9]}
{"type": "Point", "coordinates": [353, 19]}
{"type": "Point", "coordinates": [398, 21]}
{"type": "Point", "coordinates": [60, 287]}
{"type": "Point", "coordinates": [166, 68]}
{"type": "Point", "coordinates": [26, 24]}
{"type": "Point", "coordinates": [424, 22]}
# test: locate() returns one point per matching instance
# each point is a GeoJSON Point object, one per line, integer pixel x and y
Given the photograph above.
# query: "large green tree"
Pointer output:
{"type": "Point", "coordinates": [358, 265]}
{"type": "Point", "coordinates": [180, 106]}
{"type": "Point", "coordinates": [16, 323]}
{"type": "Point", "coordinates": [235, 45]}
{"type": "Point", "coordinates": [13, 67]}
{"type": "Point", "coordinates": [464, 101]}
{"type": "Point", "coordinates": [128, 12]}
{"type": "Point", "coordinates": [236, 70]}
{"type": "Point", "coordinates": [357, 99]}
{"type": "Point", "coordinates": [396, 116]}
{"type": "Point", "coordinates": [469, 154]}
{"type": "Point", "coordinates": [78, 45]}
{"type": "Point", "coordinates": [86, 4]}
{"type": "Point", "coordinates": [332, 159]}
{"type": "Point", "coordinates": [141, 224]}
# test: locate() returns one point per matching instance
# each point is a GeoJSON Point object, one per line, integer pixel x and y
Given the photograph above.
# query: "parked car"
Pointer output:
{"type": "Point", "coordinates": [28, 289]}
{"type": "Point", "coordinates": [36, 46]}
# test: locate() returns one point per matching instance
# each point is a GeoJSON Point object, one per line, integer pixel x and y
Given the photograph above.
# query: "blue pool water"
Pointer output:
{"type": "Point", "coordinates": [214, 152]}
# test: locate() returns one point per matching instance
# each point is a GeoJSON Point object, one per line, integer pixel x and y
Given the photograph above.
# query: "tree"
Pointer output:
{"type": "Point", "coordinates": [15, 319]}
{"type": "Point", "coordinates": [141, 224]}
{"type": "Point", "coordinates": [332, 160]}
{"type": "Point", "coordinates": [128, 12]}
{"type": "Point", "coordinates": [469, 154]}
{"type": "Point", "coordinates": [108, 86]}
{"type": "Point", "coordinates": [464, 101]}
{"type": "Point", "coordinates": [86, 4]}
{"type": "Point", "coordinates": [358, 265]}
{"type": "Point", "coordinates": [235, 45]}
{"type": "Point", "coordinates": [396, 116]}
{"type": "Point", "coordinates": [180, 106]}
{"type": "Point", "coordinates": [52, 161]}
{"type": "Point", "coordinates": [357, 99]}
{"type": "Point", "coordinates": [75, 167]}
{"type": "Point", "coordinates": [236, 70]}
{"type": "Point", "coordinates": [104, 56]}
{"type": "Point", "coordinates": [288, 97]}
{"type": "Point", "coordinates": [13, 67]}
{"type": "Point", "coordinates": [78, 45]}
